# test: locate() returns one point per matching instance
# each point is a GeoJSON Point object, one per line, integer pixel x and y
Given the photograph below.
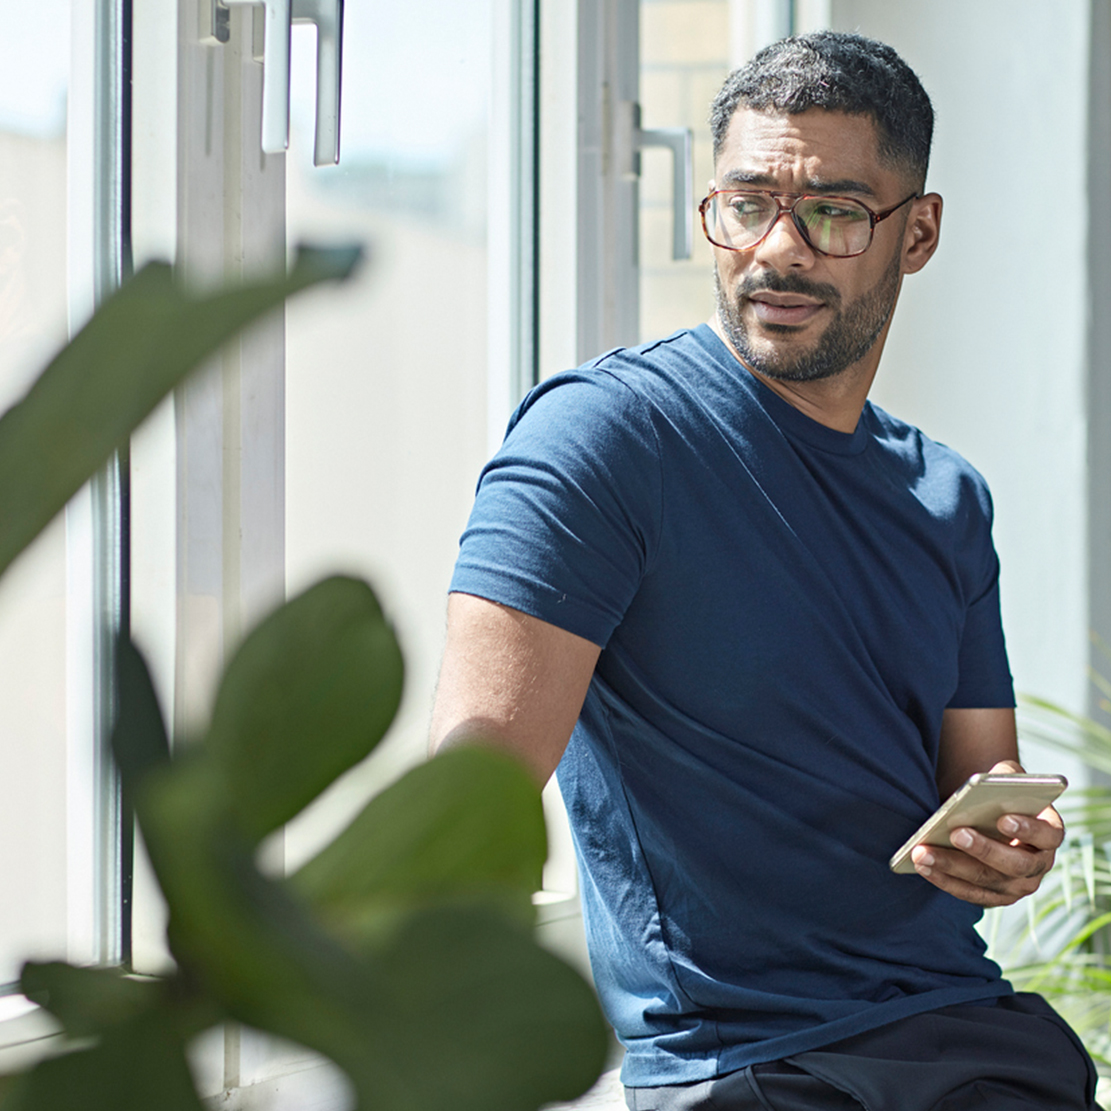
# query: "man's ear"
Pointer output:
{"type": "Point", "coordinates": [922, 233]}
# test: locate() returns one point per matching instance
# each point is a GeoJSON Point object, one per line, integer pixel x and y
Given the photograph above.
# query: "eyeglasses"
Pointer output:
{"type": "Point", "coordinates": [737, 220]}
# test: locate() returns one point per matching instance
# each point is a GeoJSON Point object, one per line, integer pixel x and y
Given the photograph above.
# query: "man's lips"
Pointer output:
{"type": "Point", "coordinates": [784, 308]}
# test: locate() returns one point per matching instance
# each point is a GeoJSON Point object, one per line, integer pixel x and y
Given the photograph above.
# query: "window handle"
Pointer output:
{"type": "Point", "coordinates": [680, 141]}
{"type": "Point", "coordinates": [278, 17]}
{"type": "Point", "coordinates": [328, 17]}
{"type": "Point", "coordinates": [275, 71]}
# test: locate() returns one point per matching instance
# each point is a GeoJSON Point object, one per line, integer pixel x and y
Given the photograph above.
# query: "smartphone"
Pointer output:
{"type": "Point", "coordinates": [978, 805]}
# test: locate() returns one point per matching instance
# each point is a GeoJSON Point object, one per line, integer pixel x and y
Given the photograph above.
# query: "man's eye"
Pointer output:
{"type": "Point", "coordinates": [744, 208]}
{"type": "Point", "coordinates": [826, 210]}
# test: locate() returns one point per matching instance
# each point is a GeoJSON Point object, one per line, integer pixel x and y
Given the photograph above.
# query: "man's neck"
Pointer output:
{"type": "Point", "coordinates": [837, 401]}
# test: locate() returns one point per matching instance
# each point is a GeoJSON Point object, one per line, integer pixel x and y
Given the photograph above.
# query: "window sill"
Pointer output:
{"type": "Point", "coordinates": [27, 1034]}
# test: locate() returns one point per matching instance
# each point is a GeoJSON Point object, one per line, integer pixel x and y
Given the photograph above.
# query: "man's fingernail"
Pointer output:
{"type": "Point", "coordinates": [962, 839]}
{"type": "Point", "coordinates": [1009, 825]}
{"type": "Point", "coordinates": [924, 860]}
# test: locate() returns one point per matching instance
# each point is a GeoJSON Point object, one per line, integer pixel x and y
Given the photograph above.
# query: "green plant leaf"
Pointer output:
{"type": "Point", "coordinates": [1088, 863]}
{"type": "Point", "coordinates": [87, 1001]}
{"type": "Point", "coordinates": [524, 1029]}
{"type": "Point", "coordinates": [1054, 725]}
{"type": "Point", "coordinates": [139, 741]}
{"type": "Point", "coordinates": [98, 389]}
{"type": "Point", "coordinates": [137, 1066]}
{"type": "Point", "coordinates": [309, 694]}
{"type": "Point", "coordinates": [1031, 923]}
{"type": "Point", "coordinates": [10, 1086]}
{"type": "Point", "coordinates": [1088, 809]}
{"type": "Point", "coordinates": [466, 826]}
{"type": "Point", "coordinates": [261, 955]}
{"type": "Point", "coordinates": [1064, 876]}
{"type": "Point", "coordinates": [238, 937]}
{"type": "Point", "coordinates": [510, 1027]}
{"type": "Point", "coordinates": [1093, 926]}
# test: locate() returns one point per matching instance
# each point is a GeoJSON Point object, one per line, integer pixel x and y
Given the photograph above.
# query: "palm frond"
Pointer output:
{"type": "Point", "coordinates": [1063, 950]}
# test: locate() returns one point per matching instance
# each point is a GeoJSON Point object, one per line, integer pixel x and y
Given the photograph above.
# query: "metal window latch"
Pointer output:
{"type": "Point", "coordinates": [278, 18]}
{"type": "Point", "coordinates": [328, 17]}
{"type": "Point", "coordinates": [631, 139]}
{"type": "Point", "coordinates": [679, 140]}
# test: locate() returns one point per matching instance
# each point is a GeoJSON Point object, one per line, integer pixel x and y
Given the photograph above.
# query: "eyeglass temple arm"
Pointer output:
{"type": "Point", "coordinates": [680, 141]}
{"type": "Point", "coordinates": [878, 216]}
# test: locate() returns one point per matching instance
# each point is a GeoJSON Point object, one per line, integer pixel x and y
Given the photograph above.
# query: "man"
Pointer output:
{"type": "Point", "coordinates": [755, 621]}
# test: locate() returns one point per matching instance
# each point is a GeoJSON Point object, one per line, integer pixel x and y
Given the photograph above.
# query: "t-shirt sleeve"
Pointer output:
{"type": "Point", "coordinates": [985, 675]}
{"type": "Point", "coordinates": [567, 514]}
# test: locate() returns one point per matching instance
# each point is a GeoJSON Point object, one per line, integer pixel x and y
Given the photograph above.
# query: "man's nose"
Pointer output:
{"type": "Point", "coordinates": [784, 246]}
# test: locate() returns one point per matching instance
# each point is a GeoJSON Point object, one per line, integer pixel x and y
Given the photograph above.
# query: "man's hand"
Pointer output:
{"type": "Point", "coordinates": [991, 873]}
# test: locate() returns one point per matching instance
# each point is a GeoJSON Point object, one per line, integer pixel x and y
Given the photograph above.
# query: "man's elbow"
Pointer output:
{"type": "Point", "coordinates": [489, 734]}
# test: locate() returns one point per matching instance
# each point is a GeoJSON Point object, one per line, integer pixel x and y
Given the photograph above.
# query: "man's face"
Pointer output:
{"type": "Point", "coordinates": [789, 312]}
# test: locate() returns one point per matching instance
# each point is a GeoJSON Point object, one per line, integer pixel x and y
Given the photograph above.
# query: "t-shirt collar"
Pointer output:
{"type": "Point", "coordinates": [792, 422]}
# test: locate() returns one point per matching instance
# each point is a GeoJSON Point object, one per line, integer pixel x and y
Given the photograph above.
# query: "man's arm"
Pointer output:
{"type": "Point", "coordinates": [987, 872]}
{"type": "Point", "coordinates": [511, 680]}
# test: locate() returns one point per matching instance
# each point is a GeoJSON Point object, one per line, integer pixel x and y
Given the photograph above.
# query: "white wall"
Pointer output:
{"type": "Point", "coordinates": [988, 352]}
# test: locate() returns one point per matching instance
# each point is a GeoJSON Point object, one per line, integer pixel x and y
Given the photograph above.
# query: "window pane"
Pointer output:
{"type": "Point", "coordinates": [386, 379]}
{"type": "Point", "coordinates": [34, 55]}
{"type": "Point", "coordinates": [681, 70]}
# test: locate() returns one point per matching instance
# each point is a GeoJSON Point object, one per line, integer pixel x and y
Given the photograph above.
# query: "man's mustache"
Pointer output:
{"type": "Point", "coordinates": [789, 283]}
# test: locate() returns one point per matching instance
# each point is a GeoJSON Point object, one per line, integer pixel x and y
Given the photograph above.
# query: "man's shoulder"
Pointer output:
{"type": "Point", "coordinates": [930, 463]}
{"type": "Point", "coordinates": [682, 346]}
{"type": "Point", "coordinates": [633, 382]}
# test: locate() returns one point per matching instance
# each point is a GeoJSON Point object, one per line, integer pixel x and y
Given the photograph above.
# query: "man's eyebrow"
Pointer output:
{"type": "Point", "coordinates": [736, 179]}
{"type": "Point", "coordinates": [841, 187]}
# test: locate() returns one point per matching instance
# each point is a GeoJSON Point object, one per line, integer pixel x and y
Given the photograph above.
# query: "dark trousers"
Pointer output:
{"type": "Point", "coordinates": [1015, 1054]}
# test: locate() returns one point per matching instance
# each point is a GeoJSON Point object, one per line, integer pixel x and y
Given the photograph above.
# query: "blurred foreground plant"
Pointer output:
{"type": "Point", "coordinates": [403, 951]}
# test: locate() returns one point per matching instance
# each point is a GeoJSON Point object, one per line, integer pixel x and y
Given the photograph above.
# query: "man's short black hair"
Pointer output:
{"type": "Point", "coordinates": [838, 72]}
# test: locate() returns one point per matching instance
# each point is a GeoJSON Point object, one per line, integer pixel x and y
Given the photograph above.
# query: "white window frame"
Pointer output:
{"type": "Point", "coordinates": [97, 873]}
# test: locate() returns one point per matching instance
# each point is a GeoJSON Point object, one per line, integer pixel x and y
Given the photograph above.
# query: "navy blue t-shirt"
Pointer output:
{"type": "Point", "coordinates": [785, 610]}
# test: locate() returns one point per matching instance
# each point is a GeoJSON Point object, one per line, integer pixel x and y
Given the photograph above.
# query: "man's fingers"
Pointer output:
{"type": "Point", "coordinates": [981, 870]}
{"type": "Point", "coordinates": [1004, 872]}
{"type": "Point", "coordinates": [1023, 859]}
{"type": "Point", "coordinates": [969, 891]}
{"type": "Point", "coordinates": [1046, 831]}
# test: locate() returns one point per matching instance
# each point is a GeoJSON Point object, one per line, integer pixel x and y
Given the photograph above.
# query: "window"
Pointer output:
{"type": "Point", "coordinates": [33, 610]}
{"type": "Point", "coordinates": [62, 246]}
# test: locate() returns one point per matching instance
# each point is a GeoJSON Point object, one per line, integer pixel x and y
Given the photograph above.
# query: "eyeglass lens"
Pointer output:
{"type": "Point", "coordinates": [834, 226]}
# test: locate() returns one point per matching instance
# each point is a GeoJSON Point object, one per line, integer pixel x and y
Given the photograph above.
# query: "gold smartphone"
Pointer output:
{"type": "Point", "coordinates": [979, 805]}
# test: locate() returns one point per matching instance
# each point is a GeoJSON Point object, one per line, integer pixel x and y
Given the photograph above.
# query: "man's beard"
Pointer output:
{"type": "Point", "coordinates": [847, 339]}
